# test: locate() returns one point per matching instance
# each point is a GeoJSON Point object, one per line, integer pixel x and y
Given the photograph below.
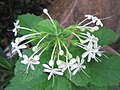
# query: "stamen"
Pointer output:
{"type": "Point", "coordinates": [46, 12]}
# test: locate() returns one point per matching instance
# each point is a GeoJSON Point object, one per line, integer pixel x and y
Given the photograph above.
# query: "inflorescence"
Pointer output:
{"type": "Point", "coordinates": [56, 66]}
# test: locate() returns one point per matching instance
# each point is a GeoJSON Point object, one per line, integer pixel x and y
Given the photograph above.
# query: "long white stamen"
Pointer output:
{"type": "Point", "coordinates": [30, 35]}
{"type": "Point", "coordinates": [77, 36]}
{"type": "Point", "coordinates": [42, 51]}
{"type": "Point", "coordinates": [46, 12]}
{"type": "Point", "coordinates": [53, 52]}
{"type": "Point", "coordinates": [82, 21]}
{"type": "Point", "coordinates": [34, 53]}
{"type": "Point", "coordinates": [87, 23]}
{"type": "Point", "coordinates": [40, 41]}
{"type": "Point", "coordinates": [106, 18]}
{"type": "Point", "coordinates": [59, 45]}
{"type": "Point", "coordinates": [85, 73]}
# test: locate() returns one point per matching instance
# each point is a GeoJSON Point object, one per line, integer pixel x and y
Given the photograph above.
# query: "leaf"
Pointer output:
{"type": "Point", "coordinates": [106, 36]}
{"type": "Point", "coordinates": [36, 80]}
{"type": "Point", "coordinates": [92, 87]}
{"type": "Point", "coordinates": [89, 87]}
{"type": "Point", "coordinates": [61, 83]}
{"type": "Point", "coordinates": [105, 73]}
{"type": "Point", "coordinates": [28, 21]}
{"type": "Point", "coordinates": [80, 79]}
{"type": "Point", "coordinates": [5, 64]}
{"type": "Point", "coordinates": [47, 26]}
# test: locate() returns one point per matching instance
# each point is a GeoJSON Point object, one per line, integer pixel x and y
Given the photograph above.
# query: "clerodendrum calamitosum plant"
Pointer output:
{"type": "Point", "coordinates": [82, 62]}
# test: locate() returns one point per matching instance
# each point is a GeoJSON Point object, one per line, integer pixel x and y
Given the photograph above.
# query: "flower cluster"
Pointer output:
{"type": "Point", "coordinates": [61, 59]}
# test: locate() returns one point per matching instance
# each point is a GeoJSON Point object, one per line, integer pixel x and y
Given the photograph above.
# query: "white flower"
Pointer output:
{"type": "Point", "coordinates": [89, 16]}
{"type": "Point", "coordinates": [17, 47]}
{"type": "Point", "coordinates": [97, 21]}
{"type": "Point", "coordinates": [29, 61]}
{"type": "Point", "coordinates": [15, 30]}
{"type": "Point", "coordinates": [91, 52]}
{"type": "Point", "coordinates": [78, 66]}
{"type": "Point", "coordinates": [90, 38]}
{"type": "Point", "coordinates": [52, 71]}
{"type": "Point", "coordinates": [65, 65]}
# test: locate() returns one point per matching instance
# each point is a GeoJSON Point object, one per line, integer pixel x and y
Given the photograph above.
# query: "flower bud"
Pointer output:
{"type": "Point", "coordinates": [34, 48]}
{"type": "Point", "coordinates": [45, 11]}
{"type": "Point", "coordinates": [69, 55]}
{"type": "Point", "coordinates": [58, 62]}
{"type": "Point", "coordinates": [61, 52]}
{"type": "Point", "coordinates": [51, 62]}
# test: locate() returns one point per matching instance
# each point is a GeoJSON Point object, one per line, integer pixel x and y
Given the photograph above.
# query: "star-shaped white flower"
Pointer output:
{"type": "Point", "coordinates": [78, 65]}
{"type": "Point", "coordinates": [29, 61]}
{"type": "Point", "coordinates": [65, 65]}
{"type": "Point", "coordinates": [16, 27]}
{"type": "Point", "coordinates": [18, 47]}
{"type": "Point", "coordinates": [89, 16]}
{"type": "Point", "coordinates": [97, 21]}
{"type": "Point", "coordinates": [90, 38]}
{"type": "Point", "coordinates": [52, 71]}
{"type": "Point", "coordinates": [91, 52]}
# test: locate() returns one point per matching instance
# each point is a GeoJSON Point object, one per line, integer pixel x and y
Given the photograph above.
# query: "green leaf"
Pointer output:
{"type": "Point", "coordinates": [5, 63]}
{"type": "Point", "coordinates": [92, 87]}
{"type": "Point", "coordinates": [28, 21]}
{"type": "Point", "coordinates": [105, 73]}
{"type": "Point", "coordinates": [61, 83]}
{"type": "Point", "coordinates": [47, 26]}
{"type": "Point", "coordinates": [37, 79]}
{"type": "Point", "coordinates": [106, 36]}
{"type": "Point", "coordinates": [80, 79]}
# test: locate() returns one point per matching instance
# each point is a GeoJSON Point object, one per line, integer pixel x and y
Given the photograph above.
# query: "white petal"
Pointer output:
{"type": "Point", "coordinates": [99, 23]}
{"type": "Point", "coordinates": [47, 70]}
{"type": "Point", "coordinates": [35, 62]}
{"type": "Point", "coordinates": [83, 66]}
{"type": "Point", "coordinates": [19, 53]}
{"type": "Point", "coordinates": [17, 22]}
{"type": "Point", "coordinates": [22, 46]}
{"type": "Point", "coordinates": [78, 59]}
{"type": "Point", "coordinates": [46, 66]}
{"type": "Point", "coordinates": [25, 56]}
{"type": "Point", "coordinates": [32, 67]}
{"type": "Point", "coordinates": [85, 54]}
{"type": "Point", "coordinates": [58, 73]}
{"type": "Point", "coordinates": [82, 61]}
{"type": "Point", "coordinates": [94, 19]}
{"type": "Point", "coordinates": [75, 71]}
{"type": "Point", "coordinates": [72, 61]}
{"type": "Point", "coordinates": [63, 69]}
{"type": "Point", "coordinates": [25, 61]}
{"type": "Point", "coordinates": [13, 44]}
{"type": "Point", "coordinates": [36, 57]}
{"type": "Point", "coordinates": [74, 67]}
{"type": "Point", "coordinates": [88, 16]}
{"type": "Point", "coordinates": [14, 50]}
{"type": "Point", "coordinates": [90, 45]}
{"type": "Point", "coordinates": [50, 75]}
{"type": "Point", "coordinates": [62, 65]}
{"type": "Point", "coordinates": [89, 58]}
{"type": "Point", "coordinates": [95, 28]}
{"type": "Point", "coordinates": [99, 53]}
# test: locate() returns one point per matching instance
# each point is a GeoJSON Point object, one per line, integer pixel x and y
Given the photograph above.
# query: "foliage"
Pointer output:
{"type": "Point", "coordinates": [96, 76]}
